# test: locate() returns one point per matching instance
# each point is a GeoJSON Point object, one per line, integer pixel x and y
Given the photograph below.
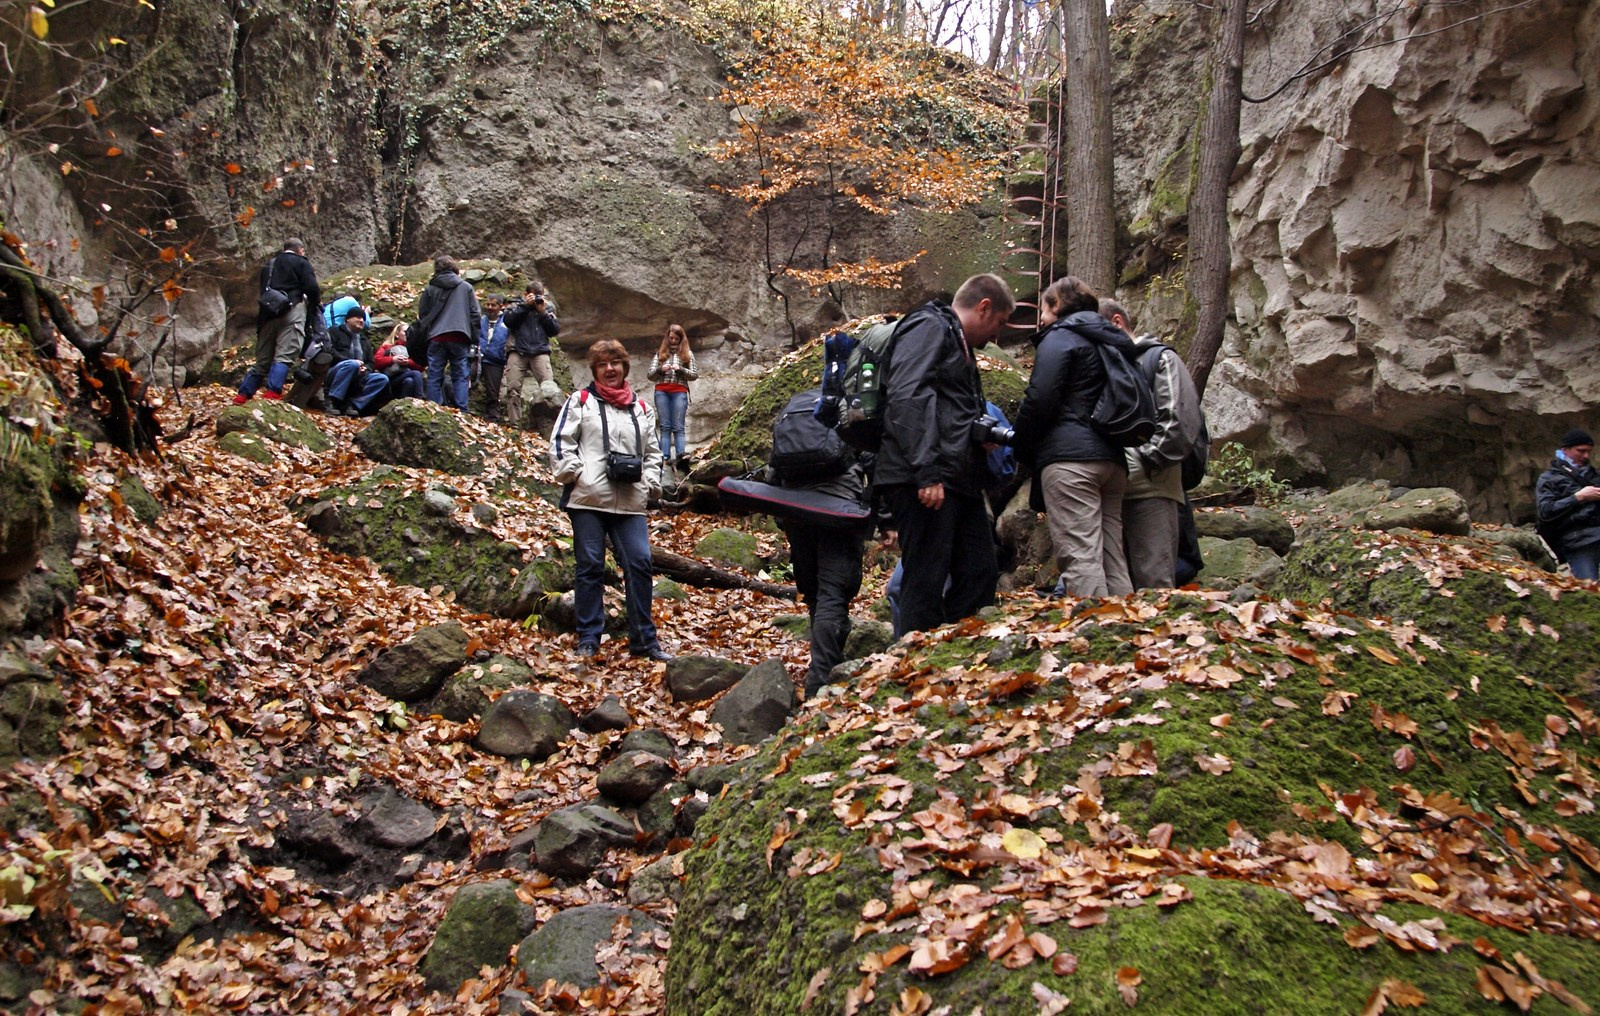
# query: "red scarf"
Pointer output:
{"type": "Point", "coordinates": [622, 398]}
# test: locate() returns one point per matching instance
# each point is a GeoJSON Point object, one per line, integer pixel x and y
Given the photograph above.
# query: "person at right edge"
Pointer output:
{"type": "Point", "coordinates": [1153, 501]}
{"type": "Point", "coordinates": [930, 470]}
{"type": "Point", "coordinates": [1569, 505]}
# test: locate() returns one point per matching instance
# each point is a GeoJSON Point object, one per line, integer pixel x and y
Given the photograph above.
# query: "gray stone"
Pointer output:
{"type": "Point", "coordinates": [322, 836]}
{"type": "Point", "coordinates": [1431, 509]}
{"type": "Point", "coordinates": [868, 637]}
{"type": "Point", "coordinates": [634, 777]}
{"type": "Point", "coordinates": [416, 668]}
{"type": "Point", "coordinates": [758, 706]}
{"type": "Point", "coordinates": [465, 694]}
{"type": "Point", "coordinates": [437, 502]}
{"type": "Point", "coordinates": [1356, 497]}
{"type": "Point", "coordinates": [610, 714]}
{"type": "Point", "coordinates": [563, 949]}
{"type": "Point", "coordinates": [525, 724]}
{"type": "Point", "coordinates": [1524, 543]}
{"type": "Point", "coordinates": [485, 514]}
{"type": "Point", "coordinates": [573, 841]}
{"type": "Point", "coordinates": [481, 924]}
{"type": "Point", "coordinates": [390, 819]}
{"type": "Point", "coordinates": [650, 740]}
{"type": "Point", "coordinates": [656, 881]}
{"type": "Point", "coordinates": [1231, 563]}
{"type": "Point", "coordinates": [1250, 522]}
{"type": "Point", "coordinates": [697, 678]}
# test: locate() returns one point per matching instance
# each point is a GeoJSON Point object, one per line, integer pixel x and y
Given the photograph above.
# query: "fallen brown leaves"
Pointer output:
{"type": "Point", "coordinates": [209, 666]}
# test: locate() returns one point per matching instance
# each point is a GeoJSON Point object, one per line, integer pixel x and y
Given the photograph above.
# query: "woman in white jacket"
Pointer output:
{"type": "Point", "coordinates": [609, 464]}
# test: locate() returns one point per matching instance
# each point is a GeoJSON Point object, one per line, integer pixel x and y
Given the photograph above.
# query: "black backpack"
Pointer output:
{"type": "Point", "coordinates": [1125, 412]}
{"type": "Point", "coordinates": [804, 449]}
{"type": "Point", "coordinates": [1199, 457]}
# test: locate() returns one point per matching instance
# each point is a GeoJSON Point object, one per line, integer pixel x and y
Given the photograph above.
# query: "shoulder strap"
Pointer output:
{"type": "Point", "coordinates": [1151, 364]}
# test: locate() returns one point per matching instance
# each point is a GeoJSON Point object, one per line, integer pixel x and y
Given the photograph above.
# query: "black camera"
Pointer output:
{"type": "Point", "coordinates": [987, 430]}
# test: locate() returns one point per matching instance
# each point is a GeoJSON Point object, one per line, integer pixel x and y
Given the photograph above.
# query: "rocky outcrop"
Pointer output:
{"type": "Point", "coordinates": [1415, 234]}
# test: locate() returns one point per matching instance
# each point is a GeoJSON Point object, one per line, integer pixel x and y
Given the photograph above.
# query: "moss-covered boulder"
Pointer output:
{"type": "Point", "coordinates": [414, 432]}
{"type": "Point", "coordinates": [1260, 525]}
{"type": "Point", "coordinates": [27, 472]}
{"type": "Point", "coordinates": [403, 531]}
{"type": "Point", "coordinates": [1431, 509]}
{"type": "Point", "coordinates": [270, 420]}
{"type": "Point", "coordinates": [1173, 799]}
{"type": "Point", "coordinates": [731, 548]}
{"type": "Point", "coordinates": [32, 709]}
{"type": "Point", "coordinates": [482, 923]}
{"type": "Point", "coordinates": [1231, 563]}
{"type": "Point", "coordinates": [466, 693]}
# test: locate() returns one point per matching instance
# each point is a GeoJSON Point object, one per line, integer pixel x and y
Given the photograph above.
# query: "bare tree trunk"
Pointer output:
{"type": "Point", "coordinates": [1091, 218]}
{"type": "Point", "coordinates": [1210, 254]}
{"type": "Point", "coordinates": [997, 35]}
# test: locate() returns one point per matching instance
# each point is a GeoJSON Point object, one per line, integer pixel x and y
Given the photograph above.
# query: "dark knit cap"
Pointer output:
{"type": "Point", "coordinates": [1575, 437]}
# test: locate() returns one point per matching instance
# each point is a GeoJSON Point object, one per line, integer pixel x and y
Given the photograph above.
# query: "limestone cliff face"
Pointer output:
{"type": "Point", "coordinates": [585, 162]}
{"type": "Point", "coordinates": [1416, 230]}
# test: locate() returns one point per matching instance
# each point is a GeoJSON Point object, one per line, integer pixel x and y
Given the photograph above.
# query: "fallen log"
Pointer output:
{"type": "Point", "coordinates": [699, 573]}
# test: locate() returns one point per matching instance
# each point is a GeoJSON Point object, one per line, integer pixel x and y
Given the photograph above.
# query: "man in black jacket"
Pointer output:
{"type": "Point", "coordinates": [529, 325]}
{"type": "Point", "coordinates": [1569, 505]}
{"type": "Point", "coordinates": [930, 471]}
{"type": "Point", "coordinates": [280, 338]}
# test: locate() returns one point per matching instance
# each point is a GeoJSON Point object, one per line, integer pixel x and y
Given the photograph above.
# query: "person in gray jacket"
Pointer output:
{"type": "Point", "coordinates": [449, 316]}
{"type": "Point", "coordinates": [1154, 496]}
{"type": "Point", "coordinates": [606, 457]}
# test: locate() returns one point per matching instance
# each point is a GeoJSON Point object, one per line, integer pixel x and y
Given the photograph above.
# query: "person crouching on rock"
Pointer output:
{"type": "Point", "coordinates": [609, 465]}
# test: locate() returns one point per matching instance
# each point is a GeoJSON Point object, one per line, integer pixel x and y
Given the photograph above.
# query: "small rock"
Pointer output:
{"type": "Point", "coordinates": [391, 819]}
{"type": "Point", "coordinates": [415, 669]}
{"type": "Point", "coordinates": [525, 724]}
{"type": "Point", "coordinates": [652, 741]}
{"type": "Point", "coordinates": [485, 514]}
{"type": "Point", "coordinates": [483, 921]}
{"type": "Point", "coordinates": [655, 882]}
{"type": "Point", "coordinates": [437, 502]}
{"type": "Point", "coordinates": [697, 678]}
{"type": "Point", "coordinates": [610, 714]}
{"type": "Point", "coordinates": [573, 841]}
{"type": "Point", "coordinates": [758, 706]}
{"type": "Point", "coordinates": [563, 948]}
{"type": "Point", "coordinates": [634, 777]}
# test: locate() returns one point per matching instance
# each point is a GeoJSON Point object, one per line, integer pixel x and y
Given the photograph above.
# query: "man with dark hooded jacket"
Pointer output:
{"type": "Point", "coordinates": [1079, 477]}
{"type": "Point", "coordinates": [1569, 505]}
{"type": "Point", "coordinates": [930, 471]}
{"type": "Point", "coordinates": [280, 339]}
{"type": "Point", "coordinates": [529, 325]}
{"type": "Point", "coordinates": [449, 315]}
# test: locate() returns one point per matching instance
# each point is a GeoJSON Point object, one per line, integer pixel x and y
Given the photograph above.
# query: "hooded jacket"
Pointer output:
{"type": "Point", "coordinates": [1067, 379]}
{"type": "Point", "coordinates": [578, 453]}
{"type": "Point", "coordinates": [933, 394]}
{"type": "Point", "coordinates": [1577, 523]}
{"type": "Point", "coordinates": [451, 306]}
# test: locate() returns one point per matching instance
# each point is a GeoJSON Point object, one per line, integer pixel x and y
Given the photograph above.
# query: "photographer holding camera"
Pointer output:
{"type": "Point", "coordinates": [530, 323]}
{"type": "Point", "coordinates": [606, 457]}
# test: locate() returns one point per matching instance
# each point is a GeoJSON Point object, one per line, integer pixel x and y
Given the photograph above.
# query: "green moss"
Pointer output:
{"type": "Point", "coordinates": [382, 520]}
{"type": "Point", "coordinates": [27, 472]}
{"type": "Point", "coordinates": [748, 435]}
{"type": "Point", "coordinates": [275, 421]}
{"type": "Point", "coordinates": [246, 446]}
{"type": "Point", "coordinates": [730, 548]}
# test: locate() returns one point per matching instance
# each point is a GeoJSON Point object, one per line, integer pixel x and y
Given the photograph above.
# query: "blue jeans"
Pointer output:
{"type": "Point", "coordinates": [671, 408]}
{"type": "Point", "coordinates": [342, 385]}
{"type": "Point", "coordinates": [406, 384]}
{"type": "Point", "coordinates": [1585, 562]}
{"type": "Point", "coordinates": [440, 351]}
{"type": "Point", "coordinates": [630, 542]}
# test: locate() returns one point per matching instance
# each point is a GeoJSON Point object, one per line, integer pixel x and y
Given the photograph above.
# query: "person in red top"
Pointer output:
{"type": "Point", "coordinates": [402, 370]}
{"type": "Point", "coordinates": [672, 368]}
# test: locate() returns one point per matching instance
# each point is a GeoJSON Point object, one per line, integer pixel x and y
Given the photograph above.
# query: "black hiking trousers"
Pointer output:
{"type": "Point", "coordinates": [827, 571]}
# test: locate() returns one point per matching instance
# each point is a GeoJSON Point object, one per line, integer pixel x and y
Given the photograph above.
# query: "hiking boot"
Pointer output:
{"type": "Point", "coordinates": [240, 399]}
{"type": "Point", "coordinates": [588, 650]}
{"type": "Point", "coordinates": [271, 396]}
{"type": "Point", "coordinates": [655, 653]}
